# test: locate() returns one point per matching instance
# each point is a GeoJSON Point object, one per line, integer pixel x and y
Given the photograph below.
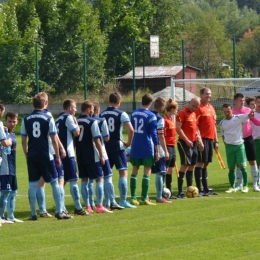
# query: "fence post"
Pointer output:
{"type": "Point", "coordinates": [37, 68]}
{"type": "Point", "coordinates": [183, 69]}
{"type": "Point", "coordinates": [134, 86]}
{"type": "Point", "coordinates": [234, 63]}
{"type": "Point", "coordinates": [85, 70]}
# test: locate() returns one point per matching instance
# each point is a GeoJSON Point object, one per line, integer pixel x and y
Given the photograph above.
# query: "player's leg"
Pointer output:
{"type": "Point", "coordinates": [91, 194]}
{"type": "Point", "coordinates": [85, 194]}
{"type": "Point", "coordinates": [257, 147]}
{"type": "Point", "coordinates": [241, 161]}
{"type": "Point", "coordinates": [239, 179]}
{"type": "Point", "coordinates": [133, 180]}
{"type": "Point", "coordinates": [41, 198]}
{"type": "Point", "coordinates": [5, 193]}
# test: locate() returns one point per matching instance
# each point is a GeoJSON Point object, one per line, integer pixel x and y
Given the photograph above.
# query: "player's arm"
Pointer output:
{"type": "Point", "coordinates": [199, 140]}
{"type": "Point", "coordinates": [160, 133]}
{"type": "Point", "coordinates": [130, 134]}
{"type": "Point", "coordinates": [182, 135]}
{"type": "Point", "coordinates": [154, 135]}
{"type": "Point", "coordinates": [216, 138]}
{"type": "Point", "coordinates": [105, 131]}
{"type": "Point", "coordinates": [100, 151]}
{"type": "Point", "coordinates": [24, 145]}
{"type": "Point", "coordinates": [72, 125]}
{"type": "Point", "coordinates": [255, 121]}
{"type": "Point", "coordinates": [55, 143]}
{"type": "Point", "coordinates": [61, 148]}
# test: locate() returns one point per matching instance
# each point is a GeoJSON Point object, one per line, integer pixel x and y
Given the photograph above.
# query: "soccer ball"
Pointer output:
{"type": "Point", "coordinates": [166, 193]}
{"type": "Point", "coordinates": [192, 192]}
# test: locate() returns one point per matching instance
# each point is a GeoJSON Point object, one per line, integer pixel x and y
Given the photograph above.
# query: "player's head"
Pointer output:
{"type": "Point", "coordinates": [40, 101]}
{"type": "Point", "coordinates": [171, 107]}
{"type": "Point", "coordinates": [115, 99]}
{"type": "Point", "coordinates": [96, 108]}
{"type": "Point", "coordinates": [250, 101]}
{"type": "Point", "coordinates": [239, 100]}
{"type": "Point", "coordinates": [11, 120]}
{"type": "Point", "coordinates": [193, 104]}
{"type": "Point", "coordinates": [2, 109]}
{"type": "Point", "coordinates": [147, 100]}
{"type": "Point", "coordinates": [87, 108]}
{"type": "Point", "coordinates": [205, 95]}
{"type": "Point", "coordinates": [159, 104]}
{"type": "Point", "coordinates": [227, 110]}
{"type": "Point", "coordinates": [70, 106]}
{"type": "Point", "coordinates": [257, 103]}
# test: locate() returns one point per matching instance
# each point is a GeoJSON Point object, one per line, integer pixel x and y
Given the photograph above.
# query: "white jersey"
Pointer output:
{"type": "Point", "coordinates": [231, 129]}
{"type": "Point", "coordinates": [255, 128]}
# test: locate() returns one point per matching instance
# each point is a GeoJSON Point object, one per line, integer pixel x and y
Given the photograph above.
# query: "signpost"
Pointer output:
{"type": "Point", "coordinates": [154, 46]}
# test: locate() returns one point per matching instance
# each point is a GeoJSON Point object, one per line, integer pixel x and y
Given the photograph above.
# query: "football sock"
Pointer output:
{"type": "Point", "coordinates": [239, 177]}
{"type": "Point", "coordinates": [205, 180]}
{"type": "Point", "coordinates": [231, 177]}
{"type": "Point", "coordinates": [145, 187]}
{"type": "Point", "coordinates": [32, 197]}
{"type": "Point", "coordinates": [3, 201]}
{"type": "Point", "coordinates": [62, 198]}
{"type": "Point", "coordinates": [245, 179]}
{"type": "Point", "coordinates": [133, 183]}
{"type": "Point", "coordinates": [40, 195]}
{"type": "Point", "coordinates": [91, 192]}
{"type": "Point", "coordinates": [168, 180]}
{"type": "Point", "coordinates": [107, 203]}
{"type": "Point", "coordinates": [85, 193]}
{"type": "Point", "coordinates": [74, 191]}
{"type": "Point", "coordinates": [198, 177]}
{"type": "Point", "coordinates": [109, 188]}
{"type": "Point", "coordinates": [180, 181]}
{"type": "Point", "coordinates": [99, 192]}
{"type": "Point", "coordinates": [159, 185]}
{"type": "Point", "coordinates": [122, 186]}
{"type": "Point", "coordinates": [164, 176]}
{"type": "Point", "coordinates": [56, 196]}
{"type": "Point", "coordinates": [189, 178]}
{"type": "Point", "coordinates": [254, 174]}
{"type": "Point", "coordinates": [11, 204]}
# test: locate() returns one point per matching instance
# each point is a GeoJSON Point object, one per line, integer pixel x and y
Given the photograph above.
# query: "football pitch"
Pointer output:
{"type": "Point", "coordinates": [215, 227]}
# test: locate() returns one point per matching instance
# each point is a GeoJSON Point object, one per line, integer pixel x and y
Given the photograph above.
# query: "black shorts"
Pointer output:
{"type": "Point", "coordinates": [92, 171]}
{"type": "Point", "coordinates": [118, 158]}
{"type": "Point", "coordinates": [172, 157]}
{"type": "Point", "coordinates": [8, 183]}
{"type": "Point", "coordinates": [207, 153]}
{"type": "Point", "coordinates": [70, 169]}
{"type": "Point", "coordinates": [249, 144]}
{"type": "Point", "coordinates": [189, 156]}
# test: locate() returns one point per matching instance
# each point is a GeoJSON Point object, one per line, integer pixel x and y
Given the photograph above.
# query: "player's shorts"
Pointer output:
{"type": "Point", "coordinates": [107, 169]}
{"type": "Point", "coordinates": [172, 156]}
{"type": "Point", "coordinates": [118, 158]}
{"type": "Point", "coordinates": [59, 169]}
{"type": "Point", "coordinates": [70, 169]}
{"type": "Point", "coordinates": [249, 144]}
{"type": "Point", "coordinates": [189, 156]}
{"type": "Point", "coordinates": [8, 183]}
{"type": "Point", "coordinates": [207, 154]}
{"type": "Point", "coordinates": [44, 168]}
{"type": "Point", "coordinates": [236, 155]}
{"type": "Point", "coordinates": [92, 171]}
{"type": "Point", "coordinates": [145, 161]}
{"type": "Point", "coordinates": [159, 167]}
{"type": "Point", "coordinates": [257, 147]}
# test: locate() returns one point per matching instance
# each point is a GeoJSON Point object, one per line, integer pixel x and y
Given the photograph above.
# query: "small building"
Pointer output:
{"type": "Point", "coordinates": [156, 78]}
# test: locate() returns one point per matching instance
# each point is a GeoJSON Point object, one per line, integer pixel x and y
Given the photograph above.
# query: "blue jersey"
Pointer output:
{"type": "Point", "coordinates": [145, 132]}
{"type": "Point", "coordinates": [115, 120]}
{"type": "Point", "coordinates": [66, 126]}
{"type": "Point", "coordinates": [38, 126]}
{"type": "Point", "coordinates": [86, 150]}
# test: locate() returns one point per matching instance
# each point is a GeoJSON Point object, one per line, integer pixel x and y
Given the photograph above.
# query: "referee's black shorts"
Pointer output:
{"type": "Point", "coordinates": [172, 156]}
{"type": "Point", "coordinates": [206, 155]}
{"type": "Point", "coordinates": [188, 156]}
{"type": "Point", "coordinates": [249, 144]}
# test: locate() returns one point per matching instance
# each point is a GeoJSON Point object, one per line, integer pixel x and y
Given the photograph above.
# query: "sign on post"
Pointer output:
{"type": "Point", "coordinates": [154, 46]}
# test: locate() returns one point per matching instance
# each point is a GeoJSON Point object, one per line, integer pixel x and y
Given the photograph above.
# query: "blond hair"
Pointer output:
{"type": "Point", "coordinates": [171, 104]}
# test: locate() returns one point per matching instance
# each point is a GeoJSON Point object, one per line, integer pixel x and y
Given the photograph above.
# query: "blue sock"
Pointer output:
{"type": "Point", "coordinates": [11, 204]}
{"type": "Point", "coordinates": [3, 202]}
{"type": "Point", "coordinates": [99, 192]}
{"type": "Point", "coordinates": [84, 192]}
{"type": "Point", "coordinates": [159, 186]}
{"type": "Point", "coordinates": [62, 198]}
{"type": "Point", "coordinates": [32, 197]}
{"type": "Point", "coordinates": [74, 191]}
{"type": "Point", "coordinates": [56, 195]}
{"type": "Point", "coordinates": [91, 192]}
{"type": "Point", "coordinates": [40, 195]}
{"type": "Point", "coordinates": [122, 186]}
{"type": "Point", "coordinates": [109, 190]}
{"type": "Point", "coordinates": [107, 203]}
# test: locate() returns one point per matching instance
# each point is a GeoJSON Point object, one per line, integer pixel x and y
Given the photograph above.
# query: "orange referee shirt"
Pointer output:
{"type": "Point", "coordinates": [169, 131]}
{"type": "Point", "coordinates": [206, 117]}
{"type": "Point", "coordinates": [189, 123]}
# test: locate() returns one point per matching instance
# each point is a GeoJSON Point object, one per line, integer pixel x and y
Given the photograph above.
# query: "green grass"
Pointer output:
{"type": "Point", "coordinates": [217, 227]}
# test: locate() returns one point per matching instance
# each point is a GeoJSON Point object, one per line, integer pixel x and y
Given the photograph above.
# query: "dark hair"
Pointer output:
{"type": "Point", "coordinates": [250, 99]}
{"type": "Point", "coordinates": [203, 90]}
{"type": "Point", "coordinates": [39, 100]}
{"type": "Point", "coordinates": [68, 103]}
{"type": "Point", "coordinates": [96, 105]}
{"type": "Point", "coordinates": [114, 98]}
{"type": "Point", "coordinates": [159, 103]}
{"type": "Point", "coordinates": [85, 105]}
{"type": "Point", "coordinates": [147, 99]}
{"type": "Point", "coordinates": [11, 114]}
{"type": "Point", "coordinates": [2, 107]}
{"type": "Point", "coordinates": [226, 106]}
{"type": "Point", "coordinates": [258, 97]}
{"type": "Point", "coordinates": [238, 95]}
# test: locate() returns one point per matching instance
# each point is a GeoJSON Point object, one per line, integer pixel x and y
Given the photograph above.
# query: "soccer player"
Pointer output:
{"type": "Point", "coordinates": [206, 120]}
{"type": "Point", "coordinates": [249, 143]}
{"type": "Point", "coordinates": [89, 152]}
{"type": "Point", "coordinates": [68, 128]}
{"type": "Point", "coordinates": [231, 131]}
{"type": "Point", "coordinates": [115, 147]}
{"type": "Point", "coordinates": [170, 139]}
{"type": "Point", "coordinates": [160, 166]}
{"type": "Point", "coordinates": [37, 127]}
{"type": "Point", "coordinates": [142, 151]}
{"type": "Point", "coordinates": [108, 184]}
{"type": "Point", "coordinates": [186, 126]}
